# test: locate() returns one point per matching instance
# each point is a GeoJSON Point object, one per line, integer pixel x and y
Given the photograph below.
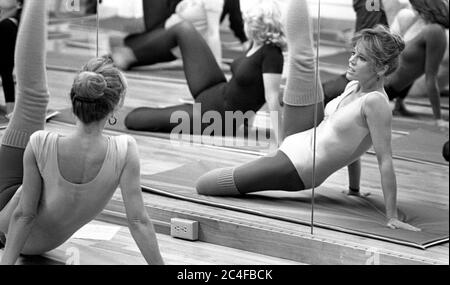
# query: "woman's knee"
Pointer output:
{"type": "Point", "coordinates": [219, 182]}
{"type": "Point", "coordinates": [184, 28]}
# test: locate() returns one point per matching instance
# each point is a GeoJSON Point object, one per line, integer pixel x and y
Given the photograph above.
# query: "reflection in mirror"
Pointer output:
{"type": "Point", "coordinates": [72, 42]}
{"type": "Point", "coordinates": [413, 140]}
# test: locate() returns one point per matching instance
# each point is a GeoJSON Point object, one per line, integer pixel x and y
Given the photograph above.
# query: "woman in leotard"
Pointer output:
{"type": "Point", "coordinates": [356, 120]}
{"type": "Point", "coordinates": [161, 15]}
{"type": "Point", "coordinates": [423, 55]}
{"type": "Point", "coordinates": [256, 76]}
{"type": "Point", "coordinates": [11, 11]}
{"type": "Point", "coordinates": [52, 185]}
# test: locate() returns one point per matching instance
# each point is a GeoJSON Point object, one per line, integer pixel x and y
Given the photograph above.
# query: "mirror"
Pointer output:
{"type": "Point", "coordinates": [416, 142]}
{"type": "Point", "coordinates": [72, 42]}
{"type": "Point", "coordinates": [417, 139]}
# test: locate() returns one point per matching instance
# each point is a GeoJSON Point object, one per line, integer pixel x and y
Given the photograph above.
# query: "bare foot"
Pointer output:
{"type": "Point", "coordinates": [356, 194]}
{"type": "Point", "coordinates": [400, 109]}
{"type": "Point", "coordinates": [123, 57]}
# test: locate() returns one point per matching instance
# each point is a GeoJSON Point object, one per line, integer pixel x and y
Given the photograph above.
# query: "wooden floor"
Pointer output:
{"type": "Point", "coordinates": [122, 250]}
{"type": "Point", "coordinates": [237, 230]}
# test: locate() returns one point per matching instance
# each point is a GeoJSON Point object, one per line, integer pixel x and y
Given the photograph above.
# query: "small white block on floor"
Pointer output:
{"type": "Point", "coordinates": [97, 232]}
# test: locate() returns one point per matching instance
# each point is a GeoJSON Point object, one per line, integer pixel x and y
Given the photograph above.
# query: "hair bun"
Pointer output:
{"type": "Point", "coordinates": [89, 86]}
{"type": "Point", "coordinates": [400, 42]}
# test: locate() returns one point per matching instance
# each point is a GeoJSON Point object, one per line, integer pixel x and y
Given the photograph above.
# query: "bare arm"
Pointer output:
{"type": "Point", "coordinates": [272, 84]}
{"type": "Point", "coordinates": [213, 33]}
{"type": "Point", "coordinates": [403, 21]}
{"type": "Point", "coordinates": [23, 218]}
{"type": "Point", "coordinates": [435, 49]}
{"type": "Point", "coordinates": [141, 227]}
{"type": "Point", "coordinates": [354, 178]}
{"type": "Point", "coordinates": [379, 118]}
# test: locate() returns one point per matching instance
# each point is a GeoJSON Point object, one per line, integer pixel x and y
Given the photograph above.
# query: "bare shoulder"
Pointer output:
{"type": "Point", "coordinates": [434, 32]}
{"type": "Point", "coordinates": [377, 103]}
{"type": "Point", "coordinates": [132, 147]}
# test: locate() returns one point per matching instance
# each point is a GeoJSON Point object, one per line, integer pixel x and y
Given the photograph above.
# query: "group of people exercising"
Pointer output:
{"type": "Point", "coordinates": [51, 185]}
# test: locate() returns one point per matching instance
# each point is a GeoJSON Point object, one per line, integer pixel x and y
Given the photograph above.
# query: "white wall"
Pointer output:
{"type": "Point", "coordinates": [340, 9]}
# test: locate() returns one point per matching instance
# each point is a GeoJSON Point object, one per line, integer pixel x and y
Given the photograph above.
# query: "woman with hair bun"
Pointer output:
{"type": "Point", "coordinates": [256, 76]}
{"type": "Point", "coordinates": [52, 185]}
{"type": "Point", "coordinates": [354, 122]}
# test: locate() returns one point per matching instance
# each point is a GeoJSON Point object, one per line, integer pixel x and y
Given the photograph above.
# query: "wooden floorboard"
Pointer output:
{"type": "Point", "coordinates": [277, 238]}
{"type": "Point", "coordinates": [122, 250]}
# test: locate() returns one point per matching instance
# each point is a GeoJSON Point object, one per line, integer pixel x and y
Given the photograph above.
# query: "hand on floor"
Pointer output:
{"type": "Point", "coordinates": [442, 124]}
{"type": "Point", "coordinates": [396, 224]}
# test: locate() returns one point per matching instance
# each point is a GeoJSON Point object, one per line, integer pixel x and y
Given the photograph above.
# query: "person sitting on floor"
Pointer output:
{"type": "Point", "coordinates": [52, 185]}
{"type": "Point", "coordinates": [159, 17]}
{"type": "Point", "coordinates": [354, 122]}
{"type": "Point", "coordinates": [256, 76]}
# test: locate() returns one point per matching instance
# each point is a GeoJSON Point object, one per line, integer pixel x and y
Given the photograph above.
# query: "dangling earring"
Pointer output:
{"type": "Point", "coordinates": [112, 121]}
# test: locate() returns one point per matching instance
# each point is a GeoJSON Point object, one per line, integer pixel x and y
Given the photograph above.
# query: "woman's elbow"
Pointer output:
{"type": "Point", "coordinates": [23, 216]}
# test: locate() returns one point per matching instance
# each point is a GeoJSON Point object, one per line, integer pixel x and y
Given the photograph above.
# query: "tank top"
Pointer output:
{"type": "Point", "coordinates": [60, 195]}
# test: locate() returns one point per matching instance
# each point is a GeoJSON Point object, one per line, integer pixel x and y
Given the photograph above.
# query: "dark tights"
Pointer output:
{"type": "Point", "coordinates": [8, 34]}
{"type": "Point", "coordinates": [11, 174]}
{"type": "Point", "coordinates": [272, 172]}
{"type": "Point", "coordinates": [233, 9]}
{"type": "Point", "coordinates": [156, 13]}
{"type": "Point", "coordinates": [205, 79]}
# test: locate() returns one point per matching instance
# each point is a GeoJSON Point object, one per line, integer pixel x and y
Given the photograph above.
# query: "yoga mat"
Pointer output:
{"type": "Point", "coordinates": [333, 210]}
{"type": "Point", "coordinates": [423, 145]}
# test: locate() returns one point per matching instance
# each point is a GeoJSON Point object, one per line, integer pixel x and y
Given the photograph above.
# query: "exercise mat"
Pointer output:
{"type": "Point", "coordinates": [424, 145]}
{"type": "Point", "coordinates": [333, 209]}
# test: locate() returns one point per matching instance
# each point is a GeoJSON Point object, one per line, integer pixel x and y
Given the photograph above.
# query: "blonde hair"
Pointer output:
{"type": "Point", "coordinates": [383, 47]}
{"type": "Point", "coordinates": [263, 24]}
{"type": "Point", "coordinates": [97, 90]}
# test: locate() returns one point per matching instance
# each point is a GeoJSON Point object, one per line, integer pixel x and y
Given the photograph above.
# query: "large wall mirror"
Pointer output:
{"type": "Point", "coordinates": [331, 128]}
{"type": "Point", "coordinates": [418, 130]}
{"type": "Point", "coordinates": [73, 40]}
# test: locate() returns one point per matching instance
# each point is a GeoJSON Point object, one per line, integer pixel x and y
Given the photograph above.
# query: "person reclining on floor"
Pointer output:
{"type": "Point", "coordinates": [354, 122]}
{"type": "Point", "coordinates": [52, 185]}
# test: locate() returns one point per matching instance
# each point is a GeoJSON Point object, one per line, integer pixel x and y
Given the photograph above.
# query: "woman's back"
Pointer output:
{"type": "Point", "coordinates": [76, 185]}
